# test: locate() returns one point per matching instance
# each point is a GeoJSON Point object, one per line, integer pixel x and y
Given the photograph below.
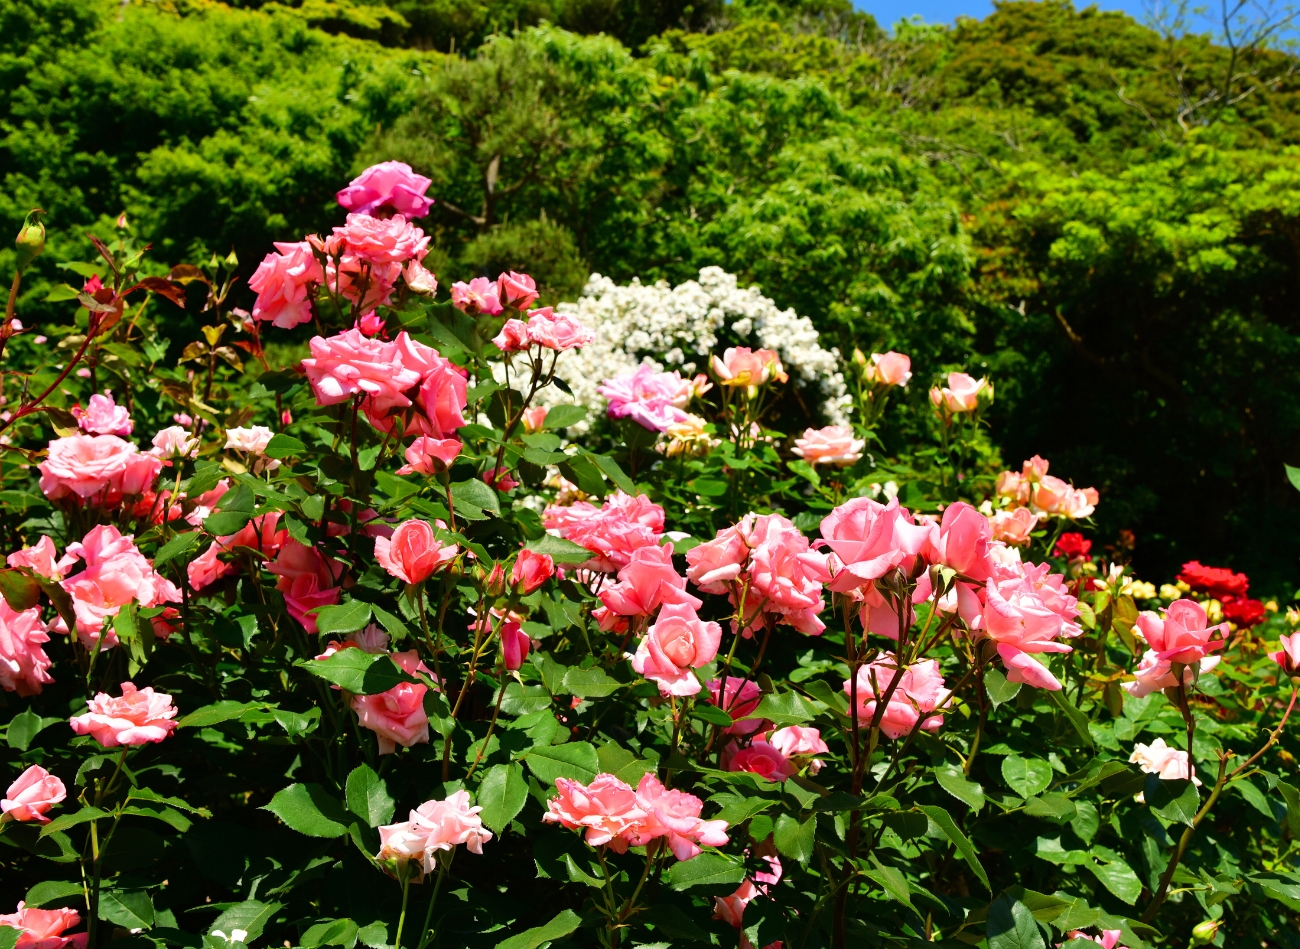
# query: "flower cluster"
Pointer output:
{"type": "Point", "coordinates": [1039, 495]}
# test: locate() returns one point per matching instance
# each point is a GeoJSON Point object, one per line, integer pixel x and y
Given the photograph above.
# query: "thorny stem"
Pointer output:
{"type": "Point", "coordinates": [1272, 738]}
{"type": "Point", "coordinates": [501, 691]}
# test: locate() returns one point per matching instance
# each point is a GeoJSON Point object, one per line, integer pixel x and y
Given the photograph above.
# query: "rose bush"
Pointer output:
{"type": "Point", "coordinates": [713, 683]}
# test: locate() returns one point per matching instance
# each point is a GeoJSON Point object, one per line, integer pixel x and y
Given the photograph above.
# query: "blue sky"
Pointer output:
{"type": "Point", "coordinates": [887, 12]}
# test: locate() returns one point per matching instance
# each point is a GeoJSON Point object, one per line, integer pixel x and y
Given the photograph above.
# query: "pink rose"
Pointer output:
{"type": "Point", "coordinates": [1017, 619]}
{"type": "Point", "coordinates": [137, 717]}
{"type": "Point", "coordinates": [786, 574]}
{"type": "Point", "coordinates": [731, 909]}
{"type": "Point", "coordinates": [675, 815]}
{"type": "Point", "coordinates": [365, 283]}
{"type": "Point", "coordinates": [1035, 468]}
{"type": "Point", "coordinates": [913, 703]}
{"type": "Point", "coordinates": [388, 186]}
{"type": "Point", "coordinates": [430, 456]}
{"type": "Point", "coordinates": [832, 445]}
{"type": "Point", "coordinates": [654, 400]}
{"type": "Point", "coordinates": [1109, 938]}
{"type": "Point", "coordinates": [260, 534]}
{"type": "Point", "coordinates": [1288, 657]}
{"type": "Point", "coordinates": [557, 331]}
{"type": "Point", "coordinates": [714, 564]}
{"type": "Point", "coordinates": [174, 442]}
{"type": "Point", "coordinates": [646, 582]}
{"type": "Point", "coordinates": [477, 296]}
{"type": "Point", "coordinates": [397, 717]}
{"type": "Point", "coordinates": [1012, 484]}
{"type": "Point", "coordinates": [962, 394]}
{"type": "Point", "coordinates": [306, 578]}
{"type": "Point", "coordinates": [869, 539]}
{"type": "Point", "coordinates": [1158, 758]}
{"type": "Point", "coordinates": [889, 369]}
{"type": "Point", "coordinates": [441, 399]}
{"type": "Point", "coordinates": [89, 465]}
{"type": "Point", "coordinates": [499, 479]}
{"type": "Point", "coordinates": [741, 366]}
{"type": "Point", "coordinates": [413, 553]}
{"type": "Point", "coordinates": [611, 532]}
{"type": "Point", "coordinates": [31, 795]}
{"type": "Point", "coordinates": [42, 559]}
{"type": "Point", "coordinates": [115, 574]}
{"type": "Point", "coordinates": [1182, 636]}
{"type": "Point", "coordinates": [514, 644]}
{"type": "Point", "coordinates": [739, 701]}
{"type": "Point", "coordinates": [370, 324]}
{"type": "Point", "coordinates": [513, 337]}
{"type": "Point", "coordinates": [678, 642]}
{"type": "Point", "coordinates": [283, 282]}
{"type": "Point", "coordinates": [43, 928]}
{"type": "Point", "coordinates": [516, 289]}
{"type": "Point", "coordinates": [434, 826]}
{"type": "Point", "coordinates": [1013, 527]}
{"type": "Point", "coordinates": [1154, 674]}
{"type": "Point", "coordinates": [23, 663]}
{"type": "Point", "coordinates": [382, 240]}
{"type": "Point", "coordinates": [794, 741]}
{"type": "Point", "coordinates": [102, 416]}
{"type": "Point", "coordinates": [758, 758]}
{"type": "Point", "coordinates": [419, 279]}
{"type": "Point", "coordinates": [534, 418]}
{"type": "Point", "coordinates": [531, 570]}
{"type": "Point", "coordinates": [607, 810]}
{"type": "Point", "coordinates": [349, 363]}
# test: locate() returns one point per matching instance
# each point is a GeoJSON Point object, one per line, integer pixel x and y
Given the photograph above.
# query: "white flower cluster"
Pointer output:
{"type": "Point", "coordinates": [677, 328]}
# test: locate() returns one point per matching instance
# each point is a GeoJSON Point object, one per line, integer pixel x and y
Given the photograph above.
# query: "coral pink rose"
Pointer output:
{"type": "Point", "coordinates": [741, 366]}
{"type": "Point", "coordinates": [739, 700]}
{"type": "Point", "coordinates": [1182, 635]}
{"type": "Point", "coordinates": [137, 717]}
{"type": "Point", "coordinates": [283, 282]}
{"type": "Point", "coordinates": [31, 795]}
{"type": "Point", "coordinates": [1013, 527]}
{"type": "Point", "coordinates": [647, 582]}
{"type": "Point", "coordinates": [513, 337]}
{"type": "Point", "coordinates": [88, 465]}
{"type": "Point", "coordinates": [962, 394]}
{"type": "Point", "coordinates": [675, 815]}
{"type": "Point", "coordinates": [531, 570]}
{"type": "Point", "coordinates": [557, 331]}
{"type": "Point", "coordinates": [413, 553]}
{"type": "Point", "coordinates": [349, 363]}
{"type": "Point", "coordinates": [397, 717]}
{"type": "Point", "coordinates": [889, 369]}
{"type": "Point", "coordinates": [534, 418]}
{"type": "Point", "coordinates": [42, 559]}
{"type": "Point", "coordinates": [869, 539]}
{"type": "Point", "coordinates": [1154, 674]}
{"type": "Point", "coordinates": [116, 574]}
{"type": "Point", "coordinates": [786, 575]}
{"type": "Point", "coordinates": [607, 810]}
{"type": "Point", "coordinates": [678, 642]}
{"type": "Point", "coordinates": [731, 909]}
{"type": "Point", "coordinates": [382, 240]}
{"type": "Point", "coordinates": [307, 579]}
{"type": "Point", "coordinates": [612, 532]}
{"type": "Point", "coordinates": [477, 296]}
{"type": "Point", "coordinates": [387, 186]}
{"type": "Point", "coordinates": [441, 400]}
{"type": "Point", "coordinates": [103, 416]}
{"type": "Point", "coordinates": [23, 663]}
{"type": "Point", "coordinates": [794, 741]}
{"type": "Point", "coordinates": [758, 758]}
{"type": "Point", "coordinates": [654, 400]}
{"type": "Point", "coordinates": [912, 705]}
{"type": "Point", "coordinates": [430, 456]}
{"type": "Point", "coordinates": [832, 445]}
{"type": "Point", "coordinates": [434, 826]}
{"type": "Point", "coordinates": [1054, 496]}
{"type": "Point", "coordinates": [1288, 657]}
{"type": "Point", "coordinates": [43, 928]}
{"type": "Point", "coordinates": [260, 534]}
{"type": "Point", "coordinates": [516, 289]}
{"type": "Point", "coordinates": [1158, 758]}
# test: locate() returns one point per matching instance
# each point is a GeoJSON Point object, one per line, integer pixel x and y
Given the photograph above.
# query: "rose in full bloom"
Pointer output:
{"type": "Point", "coordinates": [1016, 618]}
{"type": "Point", "coordinates": [557, 331]}
{"type": "Point", "coordinates": [33, 793]}
{"type": "Point", "coordinates": [434, 826]}
{"type": "Point", "coordinates": [42, 559]}
{"type": "Point", "coordinates": [832, 445]}
{"type": "Point", "coordinates": [654, 400]}
{"type": "Point", "coordinates": [413, 552]}
{"type": "Point", "coordinates": [889, 369]}
{"type": "Point", "coordinates": [1154, 674]}
{"type": "Point", "coordinates": [44, 928]}
{"type": "Point", "coordinates": [868, 539]}
{"type": "Point", "coordinates": [675, 816]}
{"type": "Point", "coordinates": [382, 241]}
{"type": "Point", "coordinates": [253, 439]}
{"type": "Point", "coordinates": [349, 363]}
{"type": "Point", "coordinates": [758, 757]}
{"type": "Point", "coordinates": [646, 582]}
{"type": "Point", "coordinates": [1243, 611]}
{"type": "Point", "coordinates": [516, 289]}
{"type": "Point", "coordinates": [283, 283]}
{"type": "Point", "coordinates": [1158, 758]}
{"type": "Point", "coordinates": [961, 394]}
{"type": "Point", "coordinates": [739, 700]}
{"type": "Point", "coordinates": [786, 574]}
{"type": "Point", "coordinates": [430, 456]}
{"type": "Point", "coordinates": [1217, 582]}
{"type": "Point", "coordinates": [741, 366]}
{"type": "Point", "coordinates": [98, 467]}
{"type": "Point", "coordinates": [607, 810]}
{"type": "Point", "coordinates": [1013, 527]}
{"type": "Point", "coordinates": [913, 703]}
{"type": "Point", "coordinates": [796, 742]}
{"type": "Point", "coordinates": [137, 717]}
{"type": "Point", "coordinates": [477, 296]}
{"type": "Point", "coordinates": [678, 642]}
{"type": "Point", "coordinates": [23, 663]}
{"type": "Point", "coordinates": [307, 579]}
{"type": "Point", "coordinates": [1054, 496]}
{"type": "Point", "coordinates": [1288, 657]}
{"type": "Point", "coordinates": [531, 570]}
{"type": "Point", "coordinates": [397, 717]}
{"type": "Point", "coordinates": [390, 186]}
{"type": "Point", "coordinates": [1073, 546]}
{"type": "Point", "coordinates": [103, 416]}
{"type": "Point", "coordinates": [1182, 635]}
{"type": "Point", "coordinates": [115, 574]}
{"type": "Point", "coordinates": [623, 524]}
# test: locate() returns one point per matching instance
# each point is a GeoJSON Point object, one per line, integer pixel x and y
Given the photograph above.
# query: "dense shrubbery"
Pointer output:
{"type": "Point", "coordinates": [677, 662]}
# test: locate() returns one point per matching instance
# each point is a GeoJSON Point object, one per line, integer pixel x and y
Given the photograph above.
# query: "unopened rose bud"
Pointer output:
{"type": "Point", "coordinates": [1204, 932]}
{"type": "Point", "coordinates": [31, 239]}
{"type": "Point", "coordinates": [859, 358]}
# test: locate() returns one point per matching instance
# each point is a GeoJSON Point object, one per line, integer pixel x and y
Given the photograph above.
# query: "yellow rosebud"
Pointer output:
{"type": "Point", "coordinates": [31, 239]}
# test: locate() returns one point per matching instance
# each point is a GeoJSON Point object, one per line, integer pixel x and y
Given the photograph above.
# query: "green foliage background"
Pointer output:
{"type": "Point", "coordinates": [1037, 196]}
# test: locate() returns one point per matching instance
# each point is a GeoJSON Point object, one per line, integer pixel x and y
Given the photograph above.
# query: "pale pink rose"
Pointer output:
{"type": "Point", "coordinates": [607, 810]}
{"type": "Point", "coordinates": [557, 331]}
{"type": "Point", "coordinates": [477, 296]}
{"type": "Point", "coordinates": [962, 394]}
{"type": "Point", "coordinates": [675, 815]}
{"type": "Point", "coordinates": [869, 539]}
{"type": "Point", "coordinates": [349, 363]}
{"type": "Point", "coordinates": [1013, 527]}
{"type": "Point", "coordinates": [654, 400]}
{"type": "Point", "coordinates": [43, 928]}
{"type": "Point", "coordinates": [612, 532]}
{"type": "Point", "coordinates": [1079, 503]}
{"type": "Point", "coordinates": [731, 909]}
{"type": "Point", "coordinates": [434, 826]}
{"type": "Point", "coordinates": [370, 324]}
{"type": "Point", "coordinates": [741, 366]}
{"type": "Point", "coordinates": [832, 445]}
{"type": "Point", "coordinates": [33, 793]}
{"type": "Point", "coordinates": [1109, 938]}
{"type": "Point", "coordinates": [516, 289]}
{"type": "Point", "coordinates": [1017, 619]}
{"type": "Point", "coordinates": [740, 699]}
{"type": "Point", "coordinates": [714, 564]}
{"type": "Point", "coordinates": [397, 717]}
{"type": "Point", "coordinates": [794, 741]}
{"type": "Point", "coordinates": [283, 282]}
{"type": "Point", "coordinates": [90, 465]}
{"type": "Point", "coordinates": [534, 418]}
{"type": "Point", "coordinates": [1288, 657]}
{"type": "Point", "coordinates": [678, 642]}
{"type": "Point", "coordinates": [42, 559]}
{"type": "Point", "coordinates": [430, 456]}
{"type": "Point", "coordinates": [1035, 469]}
{"type": "Point", "coordinates": [531, 570]}
{"type": "Point", "coordinates": [514, 645]}
{"type": "Point", "coordinates": [758, 758]}
{"type": "Point", "coordinates": [1158, 758]}
{"type": "Point", "coordinates": [115, 574]}
{"type": "Point", "coordinates": [499, 479]}
{"type": "Point", "coordinates": [414, 552]}
{"type": "Point", "coordinates": [513, 337]}
{"type": "Point", "coordinates": [307, 580]}
{"type": "Point", "coordinates": [260, 534]}
{"type": "Point", "coordinates": [382, 240]}
{"type": "Point", "coordinates": [419, 279]}
{"type": "Point", "coordinates": [139, 716]}
{"type": "Point", "coordinates": [252, 440]}
{"type": "Point", "coordinates": [786, 574]}
{"type": "Point", "coordinates": [174, 442]}
{"type": "Point", "coordinates": [646, 582]}
{"type": "Point", "coordinates": [388, 186]}
{"type": "Point", "coordinates": [889, 369]}
{"type": "Point", "coordinates": [1182, 635]}
{"type": "Point", "coordinates": [1154, 674]}
{"type": "Point", "coordinates": [23, 663]}
{"type": "Point", "coordinates": [1012, 484]}
{"type": "Point", "coordinates": [919, 693]}
{"type": "Point", "coordinates": [103, 416]}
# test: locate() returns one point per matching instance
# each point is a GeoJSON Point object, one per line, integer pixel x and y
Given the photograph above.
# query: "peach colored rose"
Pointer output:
{"type": "Point", "coordinates": [115, 574]}
{"type": "Point", "coordinates": [33, 793]}
{"type": "Point", "coordinates": [675, 815]}
{"type": "Point", "coordinates": [1035, 469]}
{"type": "Point", "coordinates": [1012, 484]}
{"type": "Point", "coordinates": [1183, 634]}
{"type": "Point", "coordinates": [531, 570]}
{"type": "Point", "coordinates": [137, 717]}
{"type": "Point", "coordinates": [646, 582]}
{"type": "Point", "coordinates": [914, 701]}
{"type": "Point", "coordinates": [516, 289]}
{"type": "Point", "coordinates": [43, 928]}
{"type": "Point", "coordinates": [1013, 527]}
{"type": "Point", "coordinates": [758, 758]}
{"type": "Point", "coordinates": [307, 579]}
{"type": "Point", "coordinates": [397, 717]}
{"type": "Point", "coordinates": [1288, 657]}
{"type": "Point", "coordinates": [678, 642]}
{"type": "Point", "coordinates": [430, 456]}
{"type": "Point", "coordinates": [413, 553]}
{"type": "Point", "coordinates": [741, 366]}
{"type": "Point", "coordinates": [832, 445]}
{"type": "Point", "coordinates": [962, 394]}
{"type": "Point", "coordinates": [42, 559]}
{"type": "Point", "coordinates": [23, 663]}
{"type": "Point", "coordinates": [1158, 758]}
{"type": "Point", "coordinates": [477, 296]}
{"type": "Point", "coordinates": [435, 826]}
{"type": "Point", "coordinates": [607, 810]}
{"type": "Point", "coordinates": [869, 539]}
{"type": "Point", "coordinates": [103, 416]}
{"type": "Point", "coordinates": [90, 465]}
{"type": "Point", "coordinates": [283, 282]}
{"type": "Point", "coordinates": [889, 369]}
{"type": "Point", "coordinates": [390, 186]}
{"type": "Point", "coordinates": [794, 742]}
{"type": "Point", "coordinates": [382, 240]}
{"type": "Point", "coordinates": [557, 331]}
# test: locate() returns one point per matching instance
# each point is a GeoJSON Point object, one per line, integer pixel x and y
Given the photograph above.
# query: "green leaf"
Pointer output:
{"type": "Point", "coordinates": [672, 922]}
{"type": "Point", "coordinates": [1119, 879]}
{"type": "Point", "coordinates": [945, 823]}
{"type": "Point", "coordinates": [706, 712]}
{"type": "Point", "coordinates": [1175, 801]}
{"type": "Point", "coordinates": [576, 760]}
{"type": "Point", "coordinates": [1281, 888]}
{"type": "Point", "coordinates": [64, 821]}
{"type": "Point", "coordinates": [309, 809]}
{"type": "Point", "coordinates": [616, 760]}
{"type": "Point", "coordinates": [282, 446]}
{"type": "Point", "coordinates": [560, 550]}
{"type": "Point", "coordinates": [708, 869]}
{"type": "Point", "coordinates": [165, 814]}
{"type": "Point", "coordinates": [333, 932]}
{"type": "Point", "coordinates": [477, 494]}
{"type": "Point", "coordinates": [590, 683]}
{"type": "Point", "coordinates": [1056, 807]}
{"type": "Point", "coordinates": [564, 416]}
{"type": "Point", "coordinates": [368, 796]}
{"type": "Point", "coordinates": [784, 708]}
{"type": "Point", "coordinates": [1293, 475]}
{"type": "Point", "coordinates": [234, 510]}
{"type": "Point", "coordinates": [794, 839]}
{"type": "Point", "coordinates": [19, 589]}
{"type": "Point", "coordinates": [892, 881]}
{"type": "Point", "coordinates": [952, 780]}
{"type": "Point", "coordinates": [178, 546]}
{"type": "Point", "coordinates": [612, 471]}
{"type": "Point", "coordinates": [216, 713]}
{"type": "Point", "coordinates": [1076, 718]}
{"type": "Point", "coordinates": [1011, 926]}
{"type": "Point", "coordinates": [131, 909]}
{"type": "Point", "coordinates": [392, 625]}
{"type": "Point", "coordinates": [998, 688]}
{"type": "Point", "coordinates": [1026, 776]}
{"type": "Point", "coordinates": [346, 617]}
{"type": "Point", "coordinates": [805, 471]}
{"type": "Point", "coordinates": [502, 795]}
{"type": "Point", "coordinates": [1292, 798]}
{"type": "Point", "coordinates": [1254, 797]}
{"type": "Point", "coordinates": [297, 724]}
{"type": "Point", "coordinates": [51, 891]}
{"type": "Point", "coordinates": [563, 924]}
{"type": "Point", "coordinates": [9, 936]}
{"type": "Point", "coordinates": [24, 727]}
{"type": "Point", "coordinates": [250, 916]}
{"type": "Point", "coordinates": [358, 671]}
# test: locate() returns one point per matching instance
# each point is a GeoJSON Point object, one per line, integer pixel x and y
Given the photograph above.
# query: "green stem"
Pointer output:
{"type": "Point", "coordinates": [427, 932]}
{"type": "Point", "coordinates": [401, 920]}
{"type": "Point", "coordinates": [1163, 891]}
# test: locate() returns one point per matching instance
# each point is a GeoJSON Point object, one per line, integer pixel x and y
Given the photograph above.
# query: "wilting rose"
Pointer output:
{"type": "Point", "coordinates": [283, 282]}
{"type": "Point", "coordinates": [23, 663]}
{"type": "Point", "coordinates": [43, 928]}
{"type": "Point", "coordinates": [557, 331]}
{"type": "Point", "coordinates": [103, 416]}
{"type": "Point", "coordinates": [758, 758]}
{"type": "Point", "coordinates": [832, 445]}
{"type": "Point", "coordinates": [675, 815]}
{"type": "Point", "coordinates": [307, 579]}
{"type": "Point", "coordinates": [413, 553]}
{"type": "Point", "coordinates": [33, 793]}
{"type": "Point", "coordinates": [914, 701]}
{"type": "Point", "coordinates": [531, 570]}
{"type": "Point", "coordinates": [607, 810]}
{"type": "Point", "coordinates": [794, 741]}
{"type": "Point", "coordinates": [137, 717]}
{"type": "Point", "coordinates": [1182, 635]}
{"type": "Point", "coordinates": [889, 369]}
{"type": "Point", "coordinates": [516, 289]}
{"type": "Point", "coordinates": [430, 456]}
{"type": "Point", "coordinates": [477, 296]}
{"type": "Point", "coordinates": [1158, 758]}
{"type": "Point", "coordinates": [741, 366]}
